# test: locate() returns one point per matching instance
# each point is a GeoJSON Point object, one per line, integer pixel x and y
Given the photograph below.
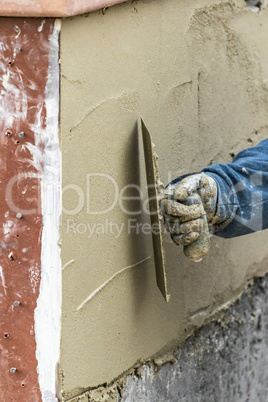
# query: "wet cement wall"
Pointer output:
{"type": "Point", "coordinates": [197, 72]}
{"type": "Point", "coordinates": [225, 360]}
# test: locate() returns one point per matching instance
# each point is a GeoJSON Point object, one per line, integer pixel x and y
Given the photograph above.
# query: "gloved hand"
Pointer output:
{"type": "Point", "coordinates": [188, 210]}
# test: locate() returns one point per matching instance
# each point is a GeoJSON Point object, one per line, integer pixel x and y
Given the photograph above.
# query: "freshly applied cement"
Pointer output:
{"type": "Point", "coordinates": [197, 72]}
{"type": "Point", "coordinates": [224, 361]}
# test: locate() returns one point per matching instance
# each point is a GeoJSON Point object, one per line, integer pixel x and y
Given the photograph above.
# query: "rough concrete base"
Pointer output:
{"type": "Point", "coordinates": [225, 361]}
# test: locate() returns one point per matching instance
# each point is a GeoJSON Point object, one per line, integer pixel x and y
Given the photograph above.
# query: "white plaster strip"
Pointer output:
{"type": "Point", "coordinates": [48, 310]}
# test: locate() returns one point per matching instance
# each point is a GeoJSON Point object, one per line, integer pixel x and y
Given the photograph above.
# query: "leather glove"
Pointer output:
{"type": "Point", "coordinates": [188, 211]}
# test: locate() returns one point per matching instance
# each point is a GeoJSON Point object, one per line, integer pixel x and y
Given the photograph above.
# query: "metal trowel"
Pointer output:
{"type": "Point", "coordinates": [196, 250]}
{"type": "Point", "coordinates": [155, 214]}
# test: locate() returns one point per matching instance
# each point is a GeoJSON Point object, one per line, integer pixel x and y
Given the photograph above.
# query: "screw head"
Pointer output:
{"type": "Point", "coordinates": [13, 370]}
{"type": "Point", "coordinates": [19, 215]}
{"type": "Point", "coordinates": [16, 303]}
{"type": "Point", "coordinates": [21, 134]}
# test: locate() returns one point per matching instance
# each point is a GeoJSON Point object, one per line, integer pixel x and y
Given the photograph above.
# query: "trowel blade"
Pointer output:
{"type": "Point", "coordinates": [155, 214]}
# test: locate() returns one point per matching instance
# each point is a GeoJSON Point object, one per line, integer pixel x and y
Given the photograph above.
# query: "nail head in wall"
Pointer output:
{"type": "Point", "coordinates": [13, 370]}
{"type": "Point", "coordinates": [16, 303]}
{"type": "Point", "coordinates": [21, 134]}
{"type": "Point", "coordinates": [19, 215]}
{"type": "Point", "coordinates": [11, 256]}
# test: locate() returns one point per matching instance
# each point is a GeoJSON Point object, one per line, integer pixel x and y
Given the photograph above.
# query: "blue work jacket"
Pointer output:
{"type": "Point", "coordinates": [242, 192]}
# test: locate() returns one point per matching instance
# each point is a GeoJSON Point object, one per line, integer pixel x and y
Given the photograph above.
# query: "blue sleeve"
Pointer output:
{"type": "Point", "coordinates": [242, 192]}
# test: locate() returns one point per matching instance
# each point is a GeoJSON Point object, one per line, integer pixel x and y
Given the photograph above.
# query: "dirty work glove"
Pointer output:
{"type": "Point", "coordinates": [254, 5]}
{"type": "Point", "coordinates": [189, 209]}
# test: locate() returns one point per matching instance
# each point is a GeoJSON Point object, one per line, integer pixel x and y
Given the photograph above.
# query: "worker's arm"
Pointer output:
{"type": "Point", "coordinates": [242, 205]}
{"type": "Point", "coordinates": [234, 196]}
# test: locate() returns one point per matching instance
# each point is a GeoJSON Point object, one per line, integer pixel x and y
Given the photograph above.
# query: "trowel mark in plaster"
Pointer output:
{"type": "Point", "coordinates": [129, 100]}
{"type": "Point", "coordinates": [67, 263]}
{"type": "Point", "coordinates": [200, 312]}
{"type": "Point", "coordinates": [96, 291]}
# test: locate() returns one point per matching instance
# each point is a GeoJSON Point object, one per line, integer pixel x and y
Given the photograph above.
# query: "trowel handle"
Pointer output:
{"type": "Point", "coordinates": [201, 246]}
